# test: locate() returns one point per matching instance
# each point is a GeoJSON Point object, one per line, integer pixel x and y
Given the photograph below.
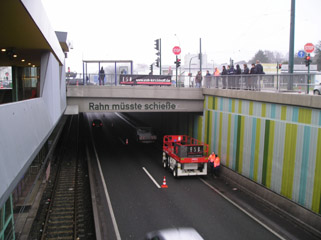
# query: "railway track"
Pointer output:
{"type": "Point", "coordinates": [67, 213]}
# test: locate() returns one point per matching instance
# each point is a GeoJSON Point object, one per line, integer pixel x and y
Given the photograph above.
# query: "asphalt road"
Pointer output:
{"type": "Point", "coordinates": [140, 206]}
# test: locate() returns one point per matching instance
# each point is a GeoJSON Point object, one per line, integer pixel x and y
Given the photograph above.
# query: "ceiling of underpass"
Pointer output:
{"type": "Point", "coordinates": [161, 122]}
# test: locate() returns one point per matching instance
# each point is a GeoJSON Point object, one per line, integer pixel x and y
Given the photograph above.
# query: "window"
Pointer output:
{"type": "Point", "coordinates": [8, 233]}
{"type": "Point", "coordinates": [7, 209]}
{"type": "Point", "coordinates": [1, 219]}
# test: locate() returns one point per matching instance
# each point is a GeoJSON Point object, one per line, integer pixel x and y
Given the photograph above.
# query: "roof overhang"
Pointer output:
{"type": "Point", "coordinates": [26, 32]}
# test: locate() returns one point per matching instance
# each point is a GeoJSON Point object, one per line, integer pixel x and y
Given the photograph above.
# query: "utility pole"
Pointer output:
{"type": "Point", "coordinates": [176, 69]}
{"type": "Point", "coordinates": [160, 56]}
{"type": "Point", "coordinates": [200, 56]}
{"type": "Point", "coordinates": [291, 48]}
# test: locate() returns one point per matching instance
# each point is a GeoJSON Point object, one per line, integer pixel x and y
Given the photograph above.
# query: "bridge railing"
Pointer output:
{"type": "Point", "coordinates": [298, 82]}
{"type": "Point", "coordinates": [269, 82]}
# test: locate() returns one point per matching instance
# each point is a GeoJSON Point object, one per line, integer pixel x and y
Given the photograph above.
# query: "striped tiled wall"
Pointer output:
{"type": "Point", "coordinates": [275, 145]}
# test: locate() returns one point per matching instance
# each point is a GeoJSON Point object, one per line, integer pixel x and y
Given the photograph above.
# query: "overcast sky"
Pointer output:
{"type": "Point", "coordinates": [126, 29]}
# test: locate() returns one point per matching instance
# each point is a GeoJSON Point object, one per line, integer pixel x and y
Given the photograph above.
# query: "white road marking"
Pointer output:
{"type": "Point", "coordinates": [106, 193]}
{"type": "Point", "coordinates": [243, 210]}
{"type": "Point", "coordinates": [150, 176]}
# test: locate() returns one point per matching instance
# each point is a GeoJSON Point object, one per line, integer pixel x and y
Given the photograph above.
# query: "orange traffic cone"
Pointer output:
{"type": "Point", "coordinates": [77, 84]}
{"type": "Point", "coordinates": [164, 183]}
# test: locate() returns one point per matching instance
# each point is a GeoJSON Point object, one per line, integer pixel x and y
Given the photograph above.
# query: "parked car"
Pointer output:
{"type": "Point", "coordinates": [317, 89]}
{"type": "Point", "coordinates": [97, 123]}
{"type": "Point", "coordinates": [174, 234]}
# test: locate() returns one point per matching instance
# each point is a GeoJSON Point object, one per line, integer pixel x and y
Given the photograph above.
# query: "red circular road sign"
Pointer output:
{"type": "Point", "coordinates": [309, 47]}
{"type": "Point", "coordinates": [176, 50]}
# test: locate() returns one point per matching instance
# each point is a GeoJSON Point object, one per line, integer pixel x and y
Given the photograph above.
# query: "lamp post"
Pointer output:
{"type": "Point", "coordinates": [189, 70]}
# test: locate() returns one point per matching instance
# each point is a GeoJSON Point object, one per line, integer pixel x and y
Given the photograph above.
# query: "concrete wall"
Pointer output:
{"type": "Point", "coordinates": [120, 98]}
{"type": "Point", "coordinates": [26, 125]}
{"type": "Point", "coordinates": [274, 142]}
{"type": "Point", "coordinates": [144, 92]}
{"type": "Point", "coordinates": [53, 89]}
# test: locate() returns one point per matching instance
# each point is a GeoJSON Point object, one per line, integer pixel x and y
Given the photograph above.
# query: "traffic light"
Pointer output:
{"type": "Point", "coordinates": [157, 44]}
{"type": "Point", "coordinates": [151, 68]}
{"type": "Point", "coordinates": [308, 60]}
{"type": "Point", "coordinates": [157, 62]}
{"type": "Point", "coordinates": [178, 62]}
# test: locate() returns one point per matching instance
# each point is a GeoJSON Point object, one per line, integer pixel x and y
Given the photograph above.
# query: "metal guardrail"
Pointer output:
{"type": "Point", "coordinates": [301, 82]}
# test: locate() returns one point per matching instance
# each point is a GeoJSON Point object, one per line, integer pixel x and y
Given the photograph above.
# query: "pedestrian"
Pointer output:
{"type": "Point", "coordinates": [259, 67]}
{"type": "Point", "coordinates": [230, 79]}
{"type": "Point", "coordinates": [208, 79]}
{"type": "Point", "coordinates": [217, 164]}
{"type": "Point", "coordinates": [198, 79]}
{"type": "Point", "coordinates": [211, 159]}
{"type": "Point", "coordinates": [216, 76]}
{"type": "Point", "coordinates": [259, 70]}
{"type": "Point", "coordinates": [238, 71]}
{"type": "Point", "coordinates": [253, 69]}
{"type": "Point", "coordinates": [224, 73]}
{"type": "Point", "coordinates": [216, 72]}
{"type": "Point", "coordinates": [214, 162]}
{"type": "Point", "coordinates": [252, 78]}
{"type": "Point", "coordinates": [246, 70]}
{"type": "Point", "coordinates": [101, 76]}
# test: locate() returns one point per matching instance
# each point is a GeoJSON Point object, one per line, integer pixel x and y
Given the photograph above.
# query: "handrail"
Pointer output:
{"type": "Point", "coordinates": [284, 82]}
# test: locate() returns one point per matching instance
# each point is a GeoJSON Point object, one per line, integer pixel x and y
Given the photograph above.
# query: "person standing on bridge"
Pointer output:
{"type": "Point", "coordinates": [252, 80]}
{"type": "Point", "coordinates": [259, 70]}
{"type": "Point", "coordinates": [230, 79]}
{"type": "Point", "coordinates": [238, 71]}
{"type": "Point", "coordinates": [198, 79]}
{"type": "Point", "coordinates": [101, 76]}
{"type": "Point", "coordinates": [259, 67]}
{"type": "Point", "coordinates": [246, 70]}
{"type": "Point", "coordinates": [224, 72]}
{"type": "Point", "coordinates": [208, 78]}
{"type": "Point", "coordinates": [216, 75]}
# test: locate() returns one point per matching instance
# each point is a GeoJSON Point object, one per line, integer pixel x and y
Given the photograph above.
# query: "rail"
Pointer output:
{"type": "Point", "coordinates": [293, 83]}
{"type": "Point", "coordinates": [65, 207]}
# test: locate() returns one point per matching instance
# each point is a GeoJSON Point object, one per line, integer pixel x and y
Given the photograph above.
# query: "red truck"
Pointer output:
{"type": "Point", "coordinates": [184, 155]}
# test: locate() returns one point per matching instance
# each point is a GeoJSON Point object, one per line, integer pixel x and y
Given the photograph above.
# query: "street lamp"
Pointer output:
{"type": "Point", "coordinates": [189, 71]}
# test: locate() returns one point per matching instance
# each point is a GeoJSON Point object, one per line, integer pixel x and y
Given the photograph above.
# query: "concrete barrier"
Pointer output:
{"type": "Point", "coordinates": [294, 212]}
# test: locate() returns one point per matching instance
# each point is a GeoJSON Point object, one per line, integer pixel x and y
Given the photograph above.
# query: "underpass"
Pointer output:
{"type": "Point", "coordinates": [139, 206]}
{"type": "Point", "coordinates": [248, 130]}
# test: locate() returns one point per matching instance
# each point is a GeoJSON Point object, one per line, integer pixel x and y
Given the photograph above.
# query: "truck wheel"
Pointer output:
{"type": "Point", "coordinates": [175, 172]}
{"type": "Point", "coordinates": [165, 164]}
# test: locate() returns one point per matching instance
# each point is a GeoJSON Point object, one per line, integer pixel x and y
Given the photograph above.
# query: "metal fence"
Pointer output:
{"type": "Point", "coordinates": [303, 83]}
{"type": "Point", "coordinates": [267, 82]}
